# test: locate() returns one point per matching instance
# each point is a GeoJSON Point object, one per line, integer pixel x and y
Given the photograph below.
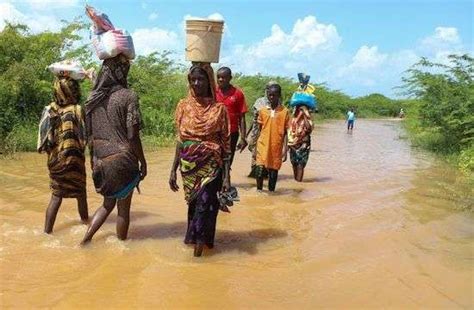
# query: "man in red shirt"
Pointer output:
{"type": "Point", "coordinates": [233, 98]}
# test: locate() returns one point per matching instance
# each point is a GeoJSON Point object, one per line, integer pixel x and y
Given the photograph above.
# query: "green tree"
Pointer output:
{"type": "Point", "coordinates": [25, 84]}
{"type": "Point", "coordinates": [446, 101]}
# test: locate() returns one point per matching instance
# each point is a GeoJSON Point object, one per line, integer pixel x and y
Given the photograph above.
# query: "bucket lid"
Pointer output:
{"type": "Point", "coordinates": [205, 19]}
{"type": "Point", "coordinates": [207, 25]}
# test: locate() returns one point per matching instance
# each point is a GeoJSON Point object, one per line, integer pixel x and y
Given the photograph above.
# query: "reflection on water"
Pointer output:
{"type": "Point", "coordinates": [375, 224]}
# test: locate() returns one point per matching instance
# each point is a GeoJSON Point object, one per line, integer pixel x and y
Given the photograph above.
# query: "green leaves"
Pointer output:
{"type": "Point", "coordinates": [25, 84]}
{"type": "Point", "coordinates": [446, 102]}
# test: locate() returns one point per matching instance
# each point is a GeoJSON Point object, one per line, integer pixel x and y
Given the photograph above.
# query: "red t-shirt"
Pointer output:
{"type": "Point", "coordinates": [234, 100]}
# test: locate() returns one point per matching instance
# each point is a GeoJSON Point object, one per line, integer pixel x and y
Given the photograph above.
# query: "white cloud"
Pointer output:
{"type": "Point", "coordinates": [36, 22]}
{"type": "Point", "coordinates": [49, 4]}
{"type": "Point", "coordinates": [153, 16]}
{"type": "Point", "coordinates": [9, 13]}
{"type": "Point", "coordinates": [375, 71]}
{"type": "Point", "coordinates": [367, 58]}
{"type": "Point", "coordinates": [307, 37]}
{"type": "Point", "coordinates": [364, 69]}
{"type": "Point", "coordinates": [443, 42]}
{"type": "Point", "coordinates": [309, 34]}
{"type": "Point", "coordinates": [315, 48]}
{"type": "Point", "coordinates": [148, 40]}
{"type": "Point", "coordinates": [442, 35]}
{"type": "Point", "coordinates": [216, 16]}
{"type": "Point", "coordinates": [310, 47]}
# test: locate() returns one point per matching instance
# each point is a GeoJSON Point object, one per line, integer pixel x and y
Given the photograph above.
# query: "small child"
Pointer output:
{"type": "Point", "coordinates": [272, 142]}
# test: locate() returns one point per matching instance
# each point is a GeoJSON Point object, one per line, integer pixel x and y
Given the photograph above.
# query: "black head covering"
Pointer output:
{"type": "Point", "coordinates": [112, 77]}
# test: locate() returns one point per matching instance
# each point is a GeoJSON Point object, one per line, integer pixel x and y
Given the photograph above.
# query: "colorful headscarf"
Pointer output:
{"type": "Point", "coordinates": [210, 76]}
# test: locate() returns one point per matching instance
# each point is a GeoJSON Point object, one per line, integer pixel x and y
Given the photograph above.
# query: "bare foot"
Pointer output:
{"type": "Point", "coordinates": [84, 243]}
{"type": "Point", "coordinates": [198, 250]}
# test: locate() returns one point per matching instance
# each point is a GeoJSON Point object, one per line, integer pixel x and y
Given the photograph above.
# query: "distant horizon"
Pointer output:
{"type": "Point", "coordinates": [357, 47]}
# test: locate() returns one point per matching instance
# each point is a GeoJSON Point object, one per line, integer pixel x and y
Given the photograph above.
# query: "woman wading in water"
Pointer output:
{"type": "Point", "coordinates": [62, 137]}
{"type": "Point", "coordinates": [299, 140]}
{"type": "Point", "coordinates": [118, 163]}
{"type": "Point", "coordinates": [202, 154]}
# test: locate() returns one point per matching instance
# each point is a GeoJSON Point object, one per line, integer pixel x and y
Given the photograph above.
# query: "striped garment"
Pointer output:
{"type": "Point", "coordinates": [66, 162]}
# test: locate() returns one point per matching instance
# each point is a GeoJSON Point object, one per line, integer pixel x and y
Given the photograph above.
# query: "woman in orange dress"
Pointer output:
{"type": "Point", "coordinates": [272, 142]}
{"type": "Point", "coordinates": [202, 155]}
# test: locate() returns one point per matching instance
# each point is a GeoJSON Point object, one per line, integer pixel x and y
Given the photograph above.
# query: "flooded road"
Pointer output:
{"type": "Point", "coordinates": [374, 224]}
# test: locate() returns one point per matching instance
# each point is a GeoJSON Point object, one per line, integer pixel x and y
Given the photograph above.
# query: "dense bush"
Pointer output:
{"type": "Point", "coordinates": [26, 86]}
{"type": "Point", "coordinates": [442, 118]}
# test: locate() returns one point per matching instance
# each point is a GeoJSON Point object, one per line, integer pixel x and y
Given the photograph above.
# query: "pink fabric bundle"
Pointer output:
{"type": "Point", "coordinates": [113, 42]}
{"type": "Point", "coordinates": [101, 21]}
{"type": "Point", "coordinates": [108, 41]}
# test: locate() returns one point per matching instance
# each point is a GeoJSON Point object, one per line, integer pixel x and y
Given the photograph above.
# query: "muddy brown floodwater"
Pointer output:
{"type": "Point", "coordinates": [375, 224]}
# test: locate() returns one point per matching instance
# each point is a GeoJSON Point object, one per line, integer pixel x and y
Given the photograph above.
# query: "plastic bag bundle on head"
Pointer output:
{"type": "Point", "coordinates": [304, 94]}
{"type": "Point", "coordinates": [107, 40]}
{"type": "Point", "coordinates": [113, 42]}
{"type": "Point", "coordinates": [69, 68]}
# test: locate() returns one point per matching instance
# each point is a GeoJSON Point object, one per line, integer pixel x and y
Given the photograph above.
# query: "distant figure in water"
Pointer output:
{"type": "Point", "coordinates": [272, 145]}
{"type": "Point", "coordinates": [299, 140]}
{"type": "Point", "coordinates": [202, 155]}
{"type": "Point", "coordinates": [62, 136]}
{"type": "Point", "coordinates": [254, 131]}
{"type": "Point", "coordinates": [401, 114]}
{"type": "Point", "coordinates": [113, 125]}
{"type": "Point", "coordinates": [350, 120]}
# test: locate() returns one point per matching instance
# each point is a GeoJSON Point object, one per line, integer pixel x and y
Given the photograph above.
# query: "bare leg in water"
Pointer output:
{"type": "Point", "coordinates": [51, 213]}
{"type": "Point", "coordinates": [295, 172]}
{"type": "Point", "coordinates": [259, 183]}
{"type": "Point", "coordinates": [272, 179]}
{"type": "Point", "coordinates": [123, 217]}
{"type": "Point", "coordinates": [298, 172]}
{"type": "Point", "coordinates": [99, 218]}
{"type": "Point", "coordinates": [82, 208]}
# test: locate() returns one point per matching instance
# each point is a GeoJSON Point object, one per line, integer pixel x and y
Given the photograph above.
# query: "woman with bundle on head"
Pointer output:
{"type": "Point", "coordinates": [62, 137]}
{"type": "Point", "coordinates": [299, 140]}
{"type": "Point", "coordinates": [202, 154]}
{"type": "Point", "coordinates": [113, 128]}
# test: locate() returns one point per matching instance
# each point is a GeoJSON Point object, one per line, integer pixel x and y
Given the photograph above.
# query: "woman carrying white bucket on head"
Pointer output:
{"type": "Point", "coordinates": [203, 40]}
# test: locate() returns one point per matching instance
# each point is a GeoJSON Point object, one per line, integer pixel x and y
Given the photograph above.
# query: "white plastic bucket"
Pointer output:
{"type": "Point", "coordinates": [203, 39]}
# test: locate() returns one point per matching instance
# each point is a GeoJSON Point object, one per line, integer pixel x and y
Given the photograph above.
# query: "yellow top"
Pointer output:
{"type": "Point", "coordinates": [270, 142]}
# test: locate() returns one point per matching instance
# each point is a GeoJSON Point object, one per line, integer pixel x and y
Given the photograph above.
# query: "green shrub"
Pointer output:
{"type": "Point", "coordinates": [466, 160]}
{"type": "Point", "coordinates": [21, 138]}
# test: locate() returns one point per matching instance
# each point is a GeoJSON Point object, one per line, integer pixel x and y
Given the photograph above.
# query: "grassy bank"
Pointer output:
{"type": "Point", "coordinates": [432, 140]}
